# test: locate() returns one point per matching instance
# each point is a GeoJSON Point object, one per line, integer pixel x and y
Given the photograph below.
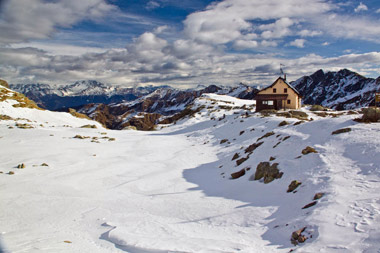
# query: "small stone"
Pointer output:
{"type": "Point", "coordinates": [238, 174]}
{"type": "Point", "coordinates": [340, 131]}
{"type": "Point", "coordinates": [241, 160]}
{"type": "Point", "coordinates": [272, 158]}
{"type": "Point", "coordinates": [310, 205]}
{"type": "Point", "coordinates": [318, 195]}
{"type": "Point", "coordinates": [309, 150]}
{"type": "Point", "coordinates": [11, 173]}
{"type": "Point", "coordinates": [45, 164]}
{"type": "Point", "coordinates": [111, 139]}
{"type": "Point", "coordinates": [283, 123]}
{"type": "Point", "coordinates": [236, 156]}
{"type": "Point", "coordinates": [67, 241]}
{"type": "Point", "coordinates": [293, 185]}
{"type": "Point", "coordinates": [21, 166]}
{"type": "Point", "coordinates": [241, 132]}
{"type": "Point", "coordinates": [223, 141]}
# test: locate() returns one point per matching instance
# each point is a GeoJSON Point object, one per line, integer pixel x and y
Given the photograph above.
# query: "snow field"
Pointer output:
{"type": "Point", "coordinates": [170, 190]}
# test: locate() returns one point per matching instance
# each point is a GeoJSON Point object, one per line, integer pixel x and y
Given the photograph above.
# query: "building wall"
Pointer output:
{"type": "Point", "coordinates": [295, 101]}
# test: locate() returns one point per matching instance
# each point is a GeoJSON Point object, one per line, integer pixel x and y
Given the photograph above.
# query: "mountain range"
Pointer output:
{"type": "Point", "coordinates": [143, 107]}
{"type": "Point", "coordinates": [340, 90]}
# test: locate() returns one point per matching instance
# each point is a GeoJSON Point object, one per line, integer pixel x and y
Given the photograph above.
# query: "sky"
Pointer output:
{"type": "Point", "coordinates": [185, 43]}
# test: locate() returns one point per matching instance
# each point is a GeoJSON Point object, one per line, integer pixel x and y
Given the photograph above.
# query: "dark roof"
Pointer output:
{"type": "Point", "coordinates": [270, 86]}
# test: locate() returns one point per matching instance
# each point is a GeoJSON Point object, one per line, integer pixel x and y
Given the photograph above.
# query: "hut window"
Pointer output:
{"type": "Point", "coordinates": [288, 101]}
{"type": "Point", "coordinates": [274, 90]}
{"type": "Point", "coordinates": [270, 102]}
{"type": "Point", "coordinates": [285, 90]}
{"type": "Point", "coordinates": [265, 102]}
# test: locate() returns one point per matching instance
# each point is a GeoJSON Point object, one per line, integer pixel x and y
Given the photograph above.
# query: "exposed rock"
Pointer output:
{"type": "Point", "coordinates": [24, 126]}
{"type": "Point", "coordinates": [236, 156]}
{"type": "Point", "coordinates": [11, 173]}
{"type": "Point", "coordinates": [293, 185]}
{"type": "Point", "coordinates": [267, 172]}
{"type": "Point", "coordinates": [314, 108]}
{"type": "Point", "coordinates": [343, 130]}
{"type": "Point", "coordinates": [111, 139]}
{"type": "Point", "coordinates": [88, 126]}
{"type": "Point", "coordinates": [299, 115]}
{"type": "Point", "coordinates": [318, 195]}
{"type": "Point", "coordinates": [298, 237]}
{"type": "Point", "coordinates": [45, 164]}
{"type": "Point", "coordinates": [21, 166]}
{"type": "Point", "coordinates": [5, 117]}
{"type": "Point", "coordinates": [81, 137]}
{"type": "Point", "coordinates": [67, 241]}
{"type": "Point", "coordinates": [238, 174]}
{"type": "Point", "coordinates": [4, 83]}
{"type": "Point", "coordinates": [267, 112]}
{"type": "Point", "coordinates": [308, 150]}
{"type": "Point", "coordinates": [266, 135]}
{"type": "Point", "coordinates": [283, 123]}
{"type": "Point", "coordinates": [298, 123]}
{"type": "Point", "coordinates": [77, 114]}
{"type": "Point", "coordinates": [272, 158]}
{"type": "Point", "coordinates": [223, 141]}
{"type": "Point", "coordinates": [241, 160]}
{"type": "Point", "coordinates": [241, 132]}
{"type": "Point", "coordinates": [371, 114]}
{"type": "Point", "coordinates": [309, 205]}
{"type": "Point", "coordinates": [252, 147]}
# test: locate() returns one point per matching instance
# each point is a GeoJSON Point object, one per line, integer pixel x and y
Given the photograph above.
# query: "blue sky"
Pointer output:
{"type": "Point", "coordinates": [185, 43]}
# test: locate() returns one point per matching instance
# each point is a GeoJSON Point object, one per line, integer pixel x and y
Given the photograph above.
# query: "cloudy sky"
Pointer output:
{"type": "Point", "coordinates": [185, 43]}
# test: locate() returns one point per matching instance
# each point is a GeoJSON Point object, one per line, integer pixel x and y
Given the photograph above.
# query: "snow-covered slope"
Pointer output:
{"type": "Point", "coordinates": [171, 190]}
{"type": "Point", "coordinates": [342, 90]}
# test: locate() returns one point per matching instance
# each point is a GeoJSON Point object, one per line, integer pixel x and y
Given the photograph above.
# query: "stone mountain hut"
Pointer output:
{"type": "Point", "coordinates": [279, 95]}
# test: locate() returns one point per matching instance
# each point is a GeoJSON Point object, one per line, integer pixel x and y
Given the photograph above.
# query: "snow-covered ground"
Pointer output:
{"type": "Point", "coordinates": [171, 190]}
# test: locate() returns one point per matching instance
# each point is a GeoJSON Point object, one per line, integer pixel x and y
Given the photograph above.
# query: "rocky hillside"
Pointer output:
{"type": "Point", "coordinates": [339, 90]}
{"type": "Point", "coordinates": [145, 112]}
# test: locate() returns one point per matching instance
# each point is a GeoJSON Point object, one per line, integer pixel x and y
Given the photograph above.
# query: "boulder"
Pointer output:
{"type": "Point", "coordinates": [267, 172]}
{"type": "Point", "coordinates": [318, 195]}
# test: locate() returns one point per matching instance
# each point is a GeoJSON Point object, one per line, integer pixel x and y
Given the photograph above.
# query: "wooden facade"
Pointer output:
{"type": "Point", "coordinates": [280, 95]}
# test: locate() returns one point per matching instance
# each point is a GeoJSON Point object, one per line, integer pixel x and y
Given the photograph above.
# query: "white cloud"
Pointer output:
{"type": "Point", "coordinates": [22, 20]}
{"type": "Point", "coordinates": [361, 7]}
{"type": "Point", "coordinates": [378, 11]}
{"type": "Point", "coordinates": [151, 5]}
{"type": "Point", "coordinates": [325, 43]}
{"type": "Point", "coordinates": [300, 43]}
{"type": "Point", "coordinates": [308, 33]}
{"type": "Point", "coordinates": [245, 44]}
{"type": "Point", "coordinates": [160, 29]}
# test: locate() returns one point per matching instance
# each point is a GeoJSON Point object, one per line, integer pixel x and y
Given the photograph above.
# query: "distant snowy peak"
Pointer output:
{"type": "Point", "coordinates": [86, 88]}
{"type": "Point", "coordinates": [344, 89]}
